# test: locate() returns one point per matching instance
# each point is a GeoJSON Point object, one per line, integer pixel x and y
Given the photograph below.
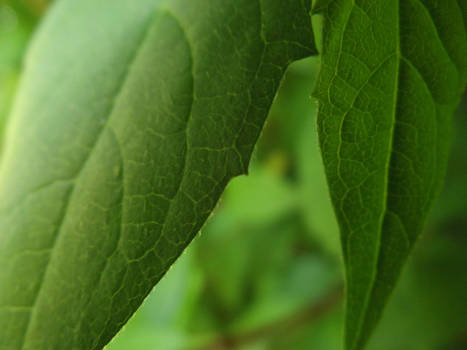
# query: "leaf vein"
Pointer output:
{"type": "Point", "coordinates": [77, 176]}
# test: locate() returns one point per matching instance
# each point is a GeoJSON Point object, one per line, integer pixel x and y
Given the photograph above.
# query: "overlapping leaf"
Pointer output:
{"type": "Point", "coordinates": [392, 73]}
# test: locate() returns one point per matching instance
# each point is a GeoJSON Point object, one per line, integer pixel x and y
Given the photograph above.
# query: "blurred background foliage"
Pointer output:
{"type": "Point", "coordinates": [265, 273]}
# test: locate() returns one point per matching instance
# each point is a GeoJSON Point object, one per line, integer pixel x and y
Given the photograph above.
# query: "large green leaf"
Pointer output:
{"type": "Point", "coordinates": [130, 120]}
{"type": "Point", "coordinates": [392, 72]}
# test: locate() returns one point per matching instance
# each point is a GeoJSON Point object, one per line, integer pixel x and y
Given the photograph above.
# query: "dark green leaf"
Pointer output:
{"type": "Point", "coordinates": [129, 123]}
{"type": "Point", "coordinates": [392, 73]}
{"type": "Point", "coordinates": [319, 5]}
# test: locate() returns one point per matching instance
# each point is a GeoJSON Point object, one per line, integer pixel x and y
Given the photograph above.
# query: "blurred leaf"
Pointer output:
{"type": "Point", "coordinates": [317, 207]}
{"type": "Point", "coordinates": [291, 108]}
{"type": "Point", "coordinates": [259, 197]}
{"type": "Point", "coordinates": [29, 10]}
{"type": "Point", "coordinates": [291, 128]}
{"type": "Point", "coordinates": [14, 33]}
{"type": "Point", "coordinates": [392, 73]}
{"type": "Point", "coordinates": [429, 308]}
{"type": "Point", "coordinates": [285, 289]}
{"type": "Point", "coordinates": [427, 311]}
{"type": "Point", "coordinates": [322, 333]}
{"type": "Point", "coordinates": [449, 211]}
{"type": "Point", "coordinates": [250, 209]}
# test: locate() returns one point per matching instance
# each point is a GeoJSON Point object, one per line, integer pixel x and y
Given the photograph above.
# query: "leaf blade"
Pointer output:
{"type": "Point", "coordinates": [383, 168]}
{"type": "Point", "coordinates": [130, 121]}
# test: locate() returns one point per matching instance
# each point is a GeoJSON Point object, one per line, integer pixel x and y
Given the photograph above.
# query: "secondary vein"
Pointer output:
{"type": "Point", "coordinates": [118, 93]}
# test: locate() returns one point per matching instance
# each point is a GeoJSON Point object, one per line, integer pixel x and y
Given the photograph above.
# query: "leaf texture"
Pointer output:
{"type": "Point", "coordinates": [392, 74]}
{"type": "Point", "coordinates": [131, 118]}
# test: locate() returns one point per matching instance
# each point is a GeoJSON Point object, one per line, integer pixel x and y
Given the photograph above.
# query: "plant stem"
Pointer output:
{"type": "Point", "coordinates": [304, 316]}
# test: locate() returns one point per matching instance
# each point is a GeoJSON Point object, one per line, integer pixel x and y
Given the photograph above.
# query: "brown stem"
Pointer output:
{"type": "Point", "coordinates": [303, 316]}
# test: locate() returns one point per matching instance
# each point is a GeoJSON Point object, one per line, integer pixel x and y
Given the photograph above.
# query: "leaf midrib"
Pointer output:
{"type": "Point", "coordinates": [399, 57]}
{"type": "Point", "coordinates": [397, 54]}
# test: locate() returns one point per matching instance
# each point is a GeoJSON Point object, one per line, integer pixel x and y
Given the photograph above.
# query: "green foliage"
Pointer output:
{"type": "Point", "coordinates": [14, 33]}
{"type": "Point", "coordinates": [392, 73]}
{"type": "Point", "coordinates": [119, 146]}
{"type": "Point", "coordinates": [240, 288]}
{"type": "Point", "coordinates": [131, 120]}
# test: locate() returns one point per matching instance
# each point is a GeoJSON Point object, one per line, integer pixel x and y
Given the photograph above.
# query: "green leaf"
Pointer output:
{"type": "Point", "coordinates": [14, 33]}
{"type": "Point", "coordinates": [392, 72]}
{"type": "Point", "coordinates": [130, 120]}
{"type": "Point", "coordinates": [161, 322]}
{"type": "Point", "coordinates": [319, 5]}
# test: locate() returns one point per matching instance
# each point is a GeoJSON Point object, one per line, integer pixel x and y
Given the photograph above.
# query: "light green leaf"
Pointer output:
{"type": "Point", "coordinates": [130, 120]}
{"type": "Point", "coordinates": [14, 34]}
{"type": "Point", "coordinates": [392, 72]}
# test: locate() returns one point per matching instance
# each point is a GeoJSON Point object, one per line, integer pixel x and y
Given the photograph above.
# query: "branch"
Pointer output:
{"type": "Point", "coordinates": [304, 316]}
